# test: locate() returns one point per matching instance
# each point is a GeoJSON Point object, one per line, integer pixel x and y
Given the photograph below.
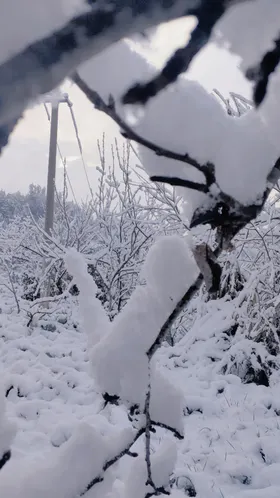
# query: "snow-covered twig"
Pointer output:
{"type": "Point", "coordinates": [115, 459]}
{"type": "Point", "coordinates": [174, 315]}
{"type": "Point", "coordinates": [180, 182]}
{"type": "Point", "coordinates": [109, 109]}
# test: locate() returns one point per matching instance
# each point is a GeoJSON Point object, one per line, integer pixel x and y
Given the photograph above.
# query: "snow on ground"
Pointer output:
{"type": "Point", "coordinates": [231, 447]}
{"type": "Point", "coordinates": [47, 382]}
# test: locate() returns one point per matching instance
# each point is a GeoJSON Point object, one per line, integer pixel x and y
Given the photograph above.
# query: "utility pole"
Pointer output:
{"type": "Point", "coordinates": [51, 170]}
{"type": "Point", "coordinates": [49, 217]}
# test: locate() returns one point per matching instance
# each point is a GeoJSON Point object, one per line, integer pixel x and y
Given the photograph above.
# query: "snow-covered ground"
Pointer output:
{"type": "Point", "coordinates": [231, 446]}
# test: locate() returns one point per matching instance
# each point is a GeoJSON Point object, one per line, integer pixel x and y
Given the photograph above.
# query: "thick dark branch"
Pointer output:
{"type": "Point", "coordinates": [262, 73]}
{"type": "Point", "coordinates": [5, 132]}
{"type": "Point", "coordinates": [207, 14]}
{"type": "Point", "coordinates": [180, 182]}
{"type": "Point", "coordinates": [44, 64]}
{"type": "Point", "coordinates": [5, 458]}
{"type": "Point", "coordinates": [128, 133]}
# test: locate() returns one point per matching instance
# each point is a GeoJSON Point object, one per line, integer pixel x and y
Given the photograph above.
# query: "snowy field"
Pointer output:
{"type": "Point", "coordinates": [232, 432]}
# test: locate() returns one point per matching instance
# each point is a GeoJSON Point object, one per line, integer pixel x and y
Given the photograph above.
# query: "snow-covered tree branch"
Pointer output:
{"type": "Point", "coordinates": [223, 212]}
{"type": "Point", "coordinates": [34, 64]}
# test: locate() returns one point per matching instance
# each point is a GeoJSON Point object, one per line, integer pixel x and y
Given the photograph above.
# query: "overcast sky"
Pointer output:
{"type": "Point", "coordinates": [25, 160]}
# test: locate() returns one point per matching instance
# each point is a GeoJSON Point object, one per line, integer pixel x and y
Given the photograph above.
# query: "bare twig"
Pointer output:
{"type": "Point", "coordinates": [180, 182]}
{"type": "Point", "coordinates": [168, 428]}
{"type": "Point", "coordinates": [148, 432]}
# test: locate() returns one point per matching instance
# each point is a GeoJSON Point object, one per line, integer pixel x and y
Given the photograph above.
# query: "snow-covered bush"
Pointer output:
{"type": "Point", "coordinates": [113, 231]}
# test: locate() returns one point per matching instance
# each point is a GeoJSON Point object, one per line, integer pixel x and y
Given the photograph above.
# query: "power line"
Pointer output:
{"type": "Point", "coordinates": [70, 106]}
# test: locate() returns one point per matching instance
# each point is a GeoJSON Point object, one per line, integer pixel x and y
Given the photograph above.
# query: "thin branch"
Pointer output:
{"type": "Point", "coordinates": [178, 309]}
{"type": "Point", "coordinates": [113, 460]}
{"type": "Point", "coordinates": [128, 133]}
{"type": "Point", "coordinates": [174, 315]}
{"type": "Point", "coordinates": [131, 255]}
{"type": "Point", "coordinates": [168, 428]}
{"type": "Point", "coordinates": [148, 432]}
